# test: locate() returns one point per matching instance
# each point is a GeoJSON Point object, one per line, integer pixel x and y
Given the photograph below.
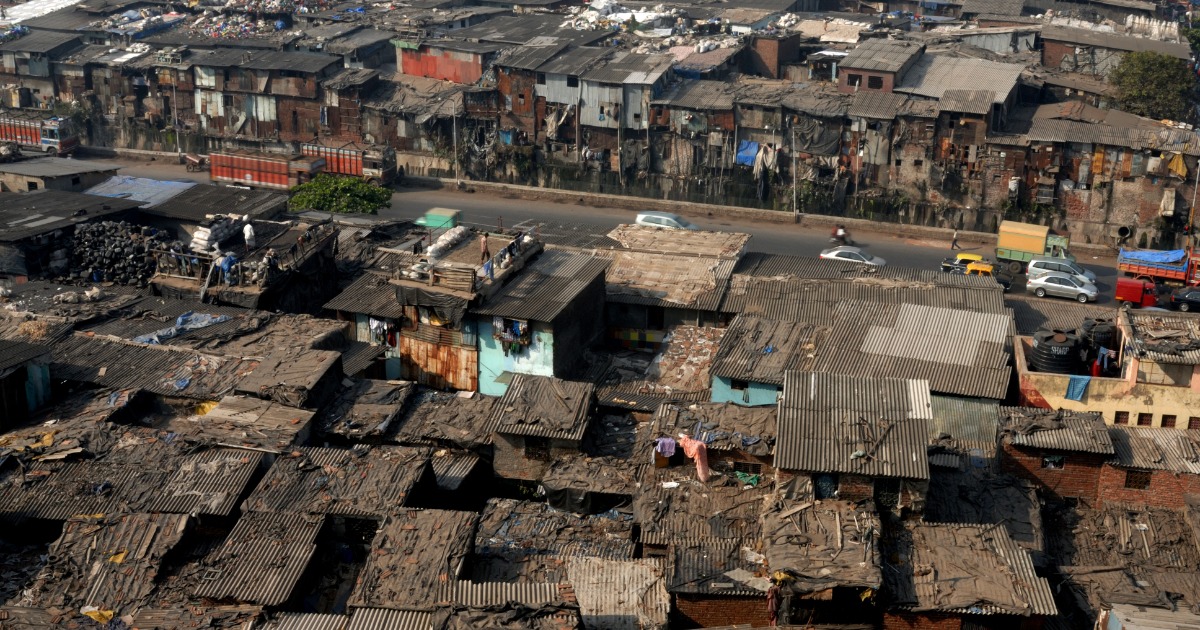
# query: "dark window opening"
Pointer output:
{"type": "Point", "coordinates": [897, 162]}
{"type": "Point", "coordinates": [656, 318]}
{"type": "Point", "coordinates": [918, 162]}
{"type": "Point", "coordinates": [75, 181]}
{"type": "Point", "coordinates": [854, 80]}
{"type": "Point", "coordinates": [537, 448]}
{"type": "Point", "coordinates": [748, 468]}
{"type": "Point", "coordinates": [295, 120]}
{"type": "Point", "coordinates": [1168, 422]}
{"type": "Point", "coordinates": [521, 99]}
{"type": "Point", "coordinates": [1137, 479]}
{"type": "Point", "coordinates": [875, 83]}
{"type": "Point", "coordinates": [1144, 419]}
{"type": "Point", "coordinates": [1122, 417]}
{"type": "Point", "coordinates": [739, 385]}
{"type": "Point", "coordinates": [1193, 422]}
{"type": "Point", "coordinates": [33, 186]}
{"type": "Point", "coordinates": [1054, 462]}
{"type": "Point", "coordinates": [572, 81]}
{"type": "Point", "coordinates": [541, 78]}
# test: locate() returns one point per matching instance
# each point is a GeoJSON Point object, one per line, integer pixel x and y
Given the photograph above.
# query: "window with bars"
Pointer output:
{"type": "Point", "coordinates": [749, 468]}
{"type": "Point", "coordinates": [1137, 479]}
{"type": "Point", "coordinates": [1193, 422]}
{"type": "Point", "coordinates": [1168, 421]}
{"type": "Point", "coordinates": [1144, 419]}
{"type": "Point", "coordinates": [537, 448]}
{"type": "Point", "coordinates": [1122, 417]}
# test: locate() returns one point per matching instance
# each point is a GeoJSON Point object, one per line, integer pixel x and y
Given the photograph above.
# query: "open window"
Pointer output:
{"type": "Point", "coordinates": [537, 448]}
{"type": "Point", "coordinates": [511, 331]}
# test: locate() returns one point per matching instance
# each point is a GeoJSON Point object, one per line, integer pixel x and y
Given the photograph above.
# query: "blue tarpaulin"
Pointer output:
{"type": "Point", "coordinates": [183, 323]}
{"type": "Point", "coordinates": [1078, 387]}
{"type": "Point", "coordinates": [1154, 255]}
{"type": "Point", "coordinates": [746, 152]}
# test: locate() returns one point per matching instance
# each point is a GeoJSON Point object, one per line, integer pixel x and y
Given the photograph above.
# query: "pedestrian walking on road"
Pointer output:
{"type": "Point", "coordinates": [954, 240]}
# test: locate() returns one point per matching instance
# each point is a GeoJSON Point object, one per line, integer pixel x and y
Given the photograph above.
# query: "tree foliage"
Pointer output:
{"type": "Point", "coordinates": [340, 195]}
{"type": "Point", "coordinates": [1153, 85]}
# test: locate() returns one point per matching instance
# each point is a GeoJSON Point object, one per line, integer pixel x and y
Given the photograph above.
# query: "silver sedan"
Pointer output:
{"type": "Point", "coordinates": [1062, 285]}
{"type": "Point", "coordinates": [852, 254]}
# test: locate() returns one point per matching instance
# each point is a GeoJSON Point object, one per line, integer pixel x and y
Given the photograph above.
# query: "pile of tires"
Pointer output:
{"type": "Point", "coordinates": [1057, 352]}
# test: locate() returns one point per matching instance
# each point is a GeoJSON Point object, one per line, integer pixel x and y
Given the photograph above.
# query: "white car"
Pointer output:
{"type": "Point", "coordinates": [666, 220]}
{"type": "Point", "coordinates": [848, 253]}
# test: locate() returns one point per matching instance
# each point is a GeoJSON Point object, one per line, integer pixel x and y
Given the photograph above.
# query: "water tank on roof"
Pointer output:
{"type": "Point", "coordinates": [1056, 351]}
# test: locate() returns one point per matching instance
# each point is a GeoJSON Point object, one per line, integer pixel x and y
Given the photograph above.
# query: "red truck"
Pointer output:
{"type": "Point", "coordinates": [263, 170]}
{"type": "Point", "coordinates": [49, 135]}
{"type": "Point", "coordinates": [370, 163]}
{"type": "Point", "coordinates": [1177, 266]}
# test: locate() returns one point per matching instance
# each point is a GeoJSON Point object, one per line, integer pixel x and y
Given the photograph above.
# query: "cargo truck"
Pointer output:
{"type": "Point", "coordinates": [263, 170]}
{"type": "Point", "coordinates": [48, 135]}
{"type": "Point", "coordinates": [1176, 266]}
{"type": "Point", "coordinates": [376, 165]}
{"type": "Point", "coordinates": [1019, 242]}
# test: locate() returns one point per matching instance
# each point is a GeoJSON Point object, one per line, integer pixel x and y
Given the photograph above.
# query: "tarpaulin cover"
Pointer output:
{"type": "Point", "coordinates": [184, 323]}
{"type": "Point", "coordinates": [816, 138]}
{"type": "Point", "coordinates": [448, 308]}
{"type": "Point", "coordinates": [1154, 255]}
{"type": "Point", "coordinates": [747, 149]}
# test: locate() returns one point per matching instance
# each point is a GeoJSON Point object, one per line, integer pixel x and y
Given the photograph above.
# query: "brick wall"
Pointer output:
{"type": "Point", "coordinates": [700, 611]}
{"type": "Point", "coordinates": [889, 80]}
{"type": "Point", "coordinates": [855, 488]}
{"type": "Point", "coordinates": [1166, 490]}
{"type": "Point", "coordinates": [510, 462]}
{"type": "Point", "coordinates": [1079, 477]}
{"type": "Point", "coordinates": [920, 621]}
{"type": "Point", "coordinates": [1054, 52]}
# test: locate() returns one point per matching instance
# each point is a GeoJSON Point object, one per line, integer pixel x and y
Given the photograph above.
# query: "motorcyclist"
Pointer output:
{"type": "Point", "coordinates": [840, 235]}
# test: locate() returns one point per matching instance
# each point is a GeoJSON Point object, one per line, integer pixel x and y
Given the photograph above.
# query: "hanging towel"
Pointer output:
{"type": "Point", "coordinates": [696, 450]}
{"type": "Point", "coordinates": [1077, 387]}
{"type": "Point", "coordinates": [665, 446]}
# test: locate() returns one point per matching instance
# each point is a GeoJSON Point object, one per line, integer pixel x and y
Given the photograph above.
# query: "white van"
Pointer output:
{"type": "Point", "coordinates": [664, 220]}
{"type": "Point", "coordinates": [1041, 266]}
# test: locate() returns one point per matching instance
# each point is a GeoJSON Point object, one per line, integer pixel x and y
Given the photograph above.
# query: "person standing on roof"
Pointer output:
{"type": "Point", "coordinates": [484, 253]}
{"type": "Point", "coordinates": [248, 234]}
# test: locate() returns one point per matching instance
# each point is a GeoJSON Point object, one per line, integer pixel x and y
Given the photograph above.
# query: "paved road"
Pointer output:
{"type": "Point", "coordinates": [765, 237]}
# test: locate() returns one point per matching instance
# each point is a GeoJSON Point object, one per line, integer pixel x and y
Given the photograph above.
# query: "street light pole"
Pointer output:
{"type": "Point", "coordinates": [175, 110]}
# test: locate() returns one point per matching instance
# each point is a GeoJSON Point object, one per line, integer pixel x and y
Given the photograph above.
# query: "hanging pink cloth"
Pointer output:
{"type": "Point", "coordinates": [698, 451]}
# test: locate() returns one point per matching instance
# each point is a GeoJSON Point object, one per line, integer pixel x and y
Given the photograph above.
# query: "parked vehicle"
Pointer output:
{"type": "Point", "coordinates": [1041, 265]}
{"type": "Point", "coordinates": [848, 253]}
{"type": "Point", "coordinates": [439, 219]}
{"type": "Point", "coordinates": [1018, 243]}
{"type": "Point", "coordinates": [263, 170]}
{"type": "Point", "coordinates": [1176, 266]}
{"type": "Point", "coordinates": [988, 270]}
{"type": "Point", "coordinates": [195, 163]}
{"type": "Point", "coordinates": [668, 220]}
{"type": "Point", "coordinates": [1186, 299]}
{"type": "Point", "coordinates": [959, 262]}
{"type": "Point", "coordinates": [1062, 285]}
{"type": "Point", "coordinates": [1141, 292]}
{"type": "Point", "coordinates": [373, 164]}
{"type": "Point", "coordinates": [48, 135]}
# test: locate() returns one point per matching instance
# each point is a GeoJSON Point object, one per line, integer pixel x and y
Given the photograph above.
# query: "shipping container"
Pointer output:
{"type": "Point", "coordinates": [371, 163]}
{"type": "Point", "coordinates": [263, 170]}
{"type": "Point", "coordinates": [1177, 266]}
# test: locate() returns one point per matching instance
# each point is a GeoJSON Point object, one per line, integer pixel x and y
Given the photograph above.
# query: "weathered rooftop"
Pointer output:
{"type": "Point", "coordinates": [364, 408]}
{"type": "Point", "coordinates": [674, 507]}
{"type": "Point", "coordinates": [722, 245]}
{"type": "Point", "coordinates": [414, 554]}
{"type": "Point", "coordinates": [448, 419]}
{"type": "Point", "coordinates": [198, 202]}
{"type": "Point", "coordinates": [965, 569]}
{"type": "Point", "coordinates": [881, 55]}
{"type": "Point", "coordinates": [261, 559]}
{"type": "Point", "coordinates": [672, 281]}
{"type": "Point", "coordinates": [1162, 338]}
{"type": "Point", "coordinates": [620, 594]}
{"type": "Point", "coordinates": [56, 167]}
{"type": "Point", "coordinates": [871, 426]}
{"type": "Point", "coordinates": [698, 95]}
{"type": "Point", "coordinates": [1174, 450]}
{"type": "Point", "coordinates": [1115, 41]}
{"type": "Point", "coordinates": [544, 406]}
{"type": "Point", "coordinates": [932, 75]}
{"type": "Point", "coordinates": [761, 351]}
{"type": "Point", "coordinates": [43, 211]}
{"type": "Point", "coordinates": [365, 482]}
{"type": "Point", "coordinates": [975, 494]}
{"type": "Point", "coordinates": [546, 287]}
{"type": "Point", "coordinates": [823, 544]}
{"type": "Point", "coordinates": [678, 372]}
{"type": "Point", "coordinates": [715, 567]}
{"type": "Point", "coordinates": [1057, 430]}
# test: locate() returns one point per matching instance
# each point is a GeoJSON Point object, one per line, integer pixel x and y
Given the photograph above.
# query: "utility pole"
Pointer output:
{"type": "Point", "coordinates": [795, 203]}
{"type": "Point", "coordinates": [454, 127]}
{"type": "Point", "coordinates": [175, 110]}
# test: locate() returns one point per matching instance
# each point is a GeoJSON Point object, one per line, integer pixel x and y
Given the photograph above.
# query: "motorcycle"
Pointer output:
{"type": "Point", "coordinates": [841, 240]}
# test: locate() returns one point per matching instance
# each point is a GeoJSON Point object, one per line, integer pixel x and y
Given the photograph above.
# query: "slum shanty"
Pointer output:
{"type": "Point", "coordinates": [218, 413]}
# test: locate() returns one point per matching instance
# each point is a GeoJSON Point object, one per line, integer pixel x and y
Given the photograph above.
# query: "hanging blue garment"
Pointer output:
{"type": "Point", "coordinates": [1077, 387]}
{"type": "Point", "coordinates": [746, 152]}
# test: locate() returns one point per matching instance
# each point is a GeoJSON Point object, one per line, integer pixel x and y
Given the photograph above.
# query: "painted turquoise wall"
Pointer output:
{"type": "Point", "coordinates": [537, 358]}
{"type": "Point", "coordinates": [757, 394]}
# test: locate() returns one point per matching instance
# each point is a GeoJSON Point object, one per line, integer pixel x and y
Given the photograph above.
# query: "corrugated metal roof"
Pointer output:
{"type": "Point", "coordinates": [452, 470]}
{"type": "Point", "coordinates": [198, 202]}
{"type": "Point", "coordinates": [761, 350]}
{"type": "Point", "coordinates": [14, 353]}
{"type": "Point", "coordinates": [932, 75]}
{"type": "Point", "coordinates": [698, 95]}
{"type": "Point", "coordinates": [967, 570]}
{"type": "Point", "coordinates": [823, 545]}
{"type": "Point", "coordinates": [1115, 41]}
{"type": "Point", "coordinates": [958, 352]}
{"type": "Point", "coordinates": [1131, 617]}
{"type": "Point", "coordinates": [668, 281]}
{"type": "Point", "coordinates": [293, 60]}
{"type": "Point", "coordinates": [364, 482]}
{"type": "Point", "coordinates": [414, 554]}
{"type": "Point", "coordinates": [1059, 430]}
{"type": "Point", "coordinates": [40, 42]}
{"type": "Point", "coordinates": [1176, 450]}
{"type": "Point", "coordinates": [994, 7]}
{"type": "Point", "coordinates": [722, 426]}
{"type": "Point", "coordinates": [544, 406]}
{"type": "Point", "coordinates": [483, 594]}
{"type": "Point", "coordinates": [262, 559]}
{"type": "Point", "coordinates": [57, 167]}
{"type": "Point", "coordinates": [814, 300]}
{"type": "Point", "coordinates": [967, 101]}
{"type": "Point", "coordinates": [880, 105]}
{"type": "Point", "coordinates": [370, 295]}
{"type": "Point", "coordinates": [545, 287]}
{"type": "Point", "coordinates": [44, 211]}
{"type": "Point", "coordinates": [620, 595]}
{"type": "Point", "coordinates": [359, 355]}
{"type": "Point", "coordinates": [881, 55]}
{"type": "Point", "coordinates": [630, 68]}
{"type": "Point", "coordinates": [309, 621]}
{"type": "Point", "coordinates": [1163, 139]}
{"type": "Point", "coordinates": [529, 57]}
{"type": "Point", "coordinates": [827, 420]}
{"type": "Point", "coordinates": [573, 62]}
{"type": "Point", "coordinates": [715, 568]}
{"type": "Point", "coordinates": [378, 618]}
{"type": "Point", "coordinates": [970, 422]}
